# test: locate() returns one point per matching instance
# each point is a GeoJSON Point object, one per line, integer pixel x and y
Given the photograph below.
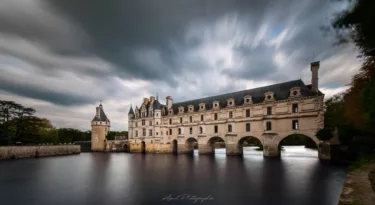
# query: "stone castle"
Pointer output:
{"type": "Point", "coordinates": [269, 113]}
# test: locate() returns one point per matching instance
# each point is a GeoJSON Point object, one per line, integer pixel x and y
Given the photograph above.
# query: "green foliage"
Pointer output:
{"type": "Point", "coordinates": [18, 124]}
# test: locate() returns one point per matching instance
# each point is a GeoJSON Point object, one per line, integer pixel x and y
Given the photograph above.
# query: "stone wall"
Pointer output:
{"type": "Point", "coordinates": [17, 152]}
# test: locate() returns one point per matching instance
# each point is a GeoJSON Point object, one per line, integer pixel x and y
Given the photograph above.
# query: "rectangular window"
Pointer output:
{"type": "Point", "coordinates": [215, 116]}
{"type": "Point", "coordinates": [157, 133]}
{"type": "Point", "coordinates": [144, 132]}
{"type": "Point", "coordinates": [230, 114]}
{"type": "Point", "coordinates": [268, 126]}
{"type": "Point", "coordinates": [269, 110]}
{"type": "Point", "coordinates": [180, 119]}
{"type": "Point", "coordinates": [191, 119]}
{"type": "Point", "coordinates": [216, 129]}
{"type": "Point", "coordinates": [179, 131]}
{"type": "Point", "coordinates": [295, 124]}
{"type": "Point", "coordinates": [170, 121]}
{"type": "Point", "coordinates": [295, 108]}
{"type": "Point", "coordinates": [191, 130]}
{"type": "Point", "coordinates": [136, 133]}
{"type": "Point", "coordinates": [150, 132]}
{"type": "Point", "coordinates": [247, 127]}
{"type": "Point", "coordinates": [201, 117]}
{"type": "Point", "coordinates": [170, 131]}
{"type": "Point", "coordinates": [167, 132]}
{"type": "Point", "coordinates": [150, 123]}
{"type": "Point", "coordinates": [161, 132]}
{"type": "Point", "coordinates": [229, 128]}
{"type": "Point", "coordinates": [248, 113]}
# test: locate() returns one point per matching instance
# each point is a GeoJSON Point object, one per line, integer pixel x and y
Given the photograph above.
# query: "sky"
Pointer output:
{"type": "Point", "coordinates": [63, 58]}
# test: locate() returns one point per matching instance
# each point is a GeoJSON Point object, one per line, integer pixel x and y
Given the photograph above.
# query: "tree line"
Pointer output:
{"type": "Point", "coordinates": [20, 126]}
{"type": "Point", "coordinates": [352, 114]}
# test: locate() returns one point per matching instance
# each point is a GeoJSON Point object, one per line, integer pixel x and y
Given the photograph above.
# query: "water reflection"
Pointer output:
{"type": "Point", "coordinates": [120, 178]}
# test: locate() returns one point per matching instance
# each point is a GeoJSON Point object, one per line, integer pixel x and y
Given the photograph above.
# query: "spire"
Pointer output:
{"type": "Point", "coordinates": [131, 112]}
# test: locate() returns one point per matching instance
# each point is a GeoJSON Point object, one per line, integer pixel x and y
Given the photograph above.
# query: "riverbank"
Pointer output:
{"type": "Point", "coordinates": [359, 188]}
{"type": "Point", "coordinates": [18, 152]}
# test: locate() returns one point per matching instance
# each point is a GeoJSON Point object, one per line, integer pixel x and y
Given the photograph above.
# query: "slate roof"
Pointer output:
{"type": "Point", "coordinates": [155, 105]}
{"type": "Point", "coordinates": [102, 116]}
{"type": "Point", "coordinates": [281, 92]}
{"type": "Point", "coordinates": [131, 111]}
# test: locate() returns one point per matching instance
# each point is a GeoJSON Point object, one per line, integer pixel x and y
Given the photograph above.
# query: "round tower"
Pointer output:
{"type": "Point", "coordinates": [100, 126]}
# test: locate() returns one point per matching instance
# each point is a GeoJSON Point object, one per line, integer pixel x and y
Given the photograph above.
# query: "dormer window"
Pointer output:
{"type": "Point", "coordinates": [248, 99]}
{"type": "Point", "coordinates": [215, 104]}
{"type": "Point", "coordinates": [230, 102]}
{"type": "Point", "coordinates": [202, 106]}
{"type": "Point", "coordinates": [295, 92]}
{"type": "Point", "coordinates": [269, 96]}
{"type": "Point", "coordinates": [181, 109]}
{"type": "Point", "coordinates": [191, 108]}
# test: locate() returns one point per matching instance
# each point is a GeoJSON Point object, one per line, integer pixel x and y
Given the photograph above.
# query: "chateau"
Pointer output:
{"type": "Point", "coordinates": [269, 113]}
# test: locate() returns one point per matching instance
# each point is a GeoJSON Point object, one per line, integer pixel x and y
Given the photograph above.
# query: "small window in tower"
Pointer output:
{"type": "Point", "coordinates": [247, 127]}
{"type": "Point", "coordinates": [269, 97]}
{"type": "Point", "coordinates": [295, 124]}
{"type": "Point", "coordinates": [295, 108]}
{"type": "Point", "coordinates": [230, 103]}
{"type": "Point", "coordinates": [215, 105]}
{"type": "Point", "coordinates": [269, 110]}
{"type": "Point", "coordinates": [295, 92]}
{"type": "Point", "coordinates": [247, 100]}
{"type": "Point", "coordinates": [202, 107]}
{"type": "Point", "coordinates": [268, 126]}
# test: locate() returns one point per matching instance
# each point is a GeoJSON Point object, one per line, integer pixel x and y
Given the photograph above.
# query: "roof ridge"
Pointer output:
{"type": "Point", "coordinates": [251, 89]}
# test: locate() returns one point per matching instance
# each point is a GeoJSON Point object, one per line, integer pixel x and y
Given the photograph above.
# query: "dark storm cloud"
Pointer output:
{"type": "Point", "coordinates": [118, 28]}
{"type": "Point", "coordinates": [156, 41]}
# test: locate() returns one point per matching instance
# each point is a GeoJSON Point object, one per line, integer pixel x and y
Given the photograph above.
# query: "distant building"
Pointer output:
{"type": "Point", "coordinates": [269, 113]}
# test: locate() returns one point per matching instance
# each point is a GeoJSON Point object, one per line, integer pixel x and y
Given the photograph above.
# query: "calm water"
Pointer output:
{"type": "Point", "coordinates": [120, 178]}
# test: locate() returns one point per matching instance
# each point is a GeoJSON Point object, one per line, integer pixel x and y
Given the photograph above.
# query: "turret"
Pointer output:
{"type": "Point", "coordinates": [100, 126]}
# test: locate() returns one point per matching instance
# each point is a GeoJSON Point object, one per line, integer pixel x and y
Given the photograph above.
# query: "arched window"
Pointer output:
{"type": "Point", "coordinates": [268, 126]}
{"type": "Point", "coordinates": [191, 130]}
{"type": "Point", "coordinates": [179, 131]}
{"type": "Point", "coordinates": [229, 128]}
{"type": "Point", "coordinates": [200, 130]}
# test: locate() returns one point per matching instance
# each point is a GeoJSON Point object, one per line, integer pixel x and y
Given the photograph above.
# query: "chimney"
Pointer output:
{"type": "Point", "coordinates": [169, 101]}
{"type": "Point", "coordinates": [315, 76]}
{"type": "Point", "coordinates": [145, 100]}
{"type": "Point", "coordinates": [152, 99]}
{"type": "Point", "coordinates": [98, 111]}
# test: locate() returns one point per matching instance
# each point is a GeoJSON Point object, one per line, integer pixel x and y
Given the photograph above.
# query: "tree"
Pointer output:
{"type": "Point", "coordinates": [357, 23]}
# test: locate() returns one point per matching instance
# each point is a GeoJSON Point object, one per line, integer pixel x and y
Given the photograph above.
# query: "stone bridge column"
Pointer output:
{"type": "Point", "coordinates": [270, 145]}
{"type": "Point", "coordinates": [206, 148]}
{"type": "Point", "coordinates": [185, 149]}
{"type": "Point", "coordinates": [234, 149]}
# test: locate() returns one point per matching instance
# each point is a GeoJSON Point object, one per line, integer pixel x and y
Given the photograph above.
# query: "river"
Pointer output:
{"type": "Point", "coordinates": [297, 177]}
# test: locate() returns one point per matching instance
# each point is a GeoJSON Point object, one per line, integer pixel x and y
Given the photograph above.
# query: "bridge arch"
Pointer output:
{"type": "Point", "coordinates": [298, 139]}
{"type": "Point", "coordinates": [143, 147]}
{"type": "Point", "coordinates": [209, 146]}
{"type": "Point", "coordinates": [174, 146]}
{"type": "Point", "coordinates": [190, 144]}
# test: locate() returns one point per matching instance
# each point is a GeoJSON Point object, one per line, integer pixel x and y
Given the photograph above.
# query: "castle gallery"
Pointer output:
{"type": "Point", "coordinates": [269, 113]}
